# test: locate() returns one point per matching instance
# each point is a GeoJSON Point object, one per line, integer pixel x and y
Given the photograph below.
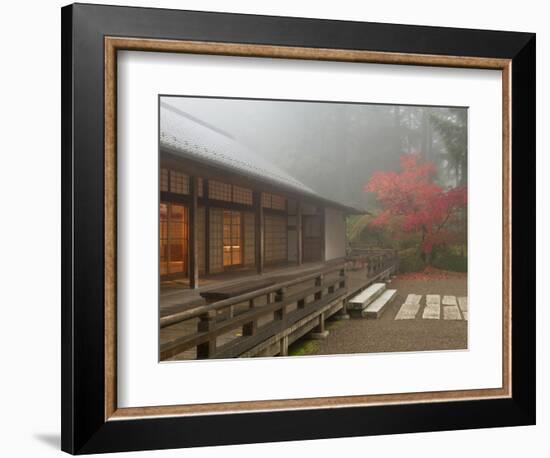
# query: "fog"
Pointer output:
{"type": "Point", "coordinates": [334, 148]}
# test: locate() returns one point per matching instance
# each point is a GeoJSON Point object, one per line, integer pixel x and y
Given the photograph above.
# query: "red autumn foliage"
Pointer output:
{"type": "Point", "coordinates": [413, 201]}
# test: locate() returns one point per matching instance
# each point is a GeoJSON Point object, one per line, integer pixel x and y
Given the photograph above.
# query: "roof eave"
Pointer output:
{"type": "Point", "coordinates": [289, 189]}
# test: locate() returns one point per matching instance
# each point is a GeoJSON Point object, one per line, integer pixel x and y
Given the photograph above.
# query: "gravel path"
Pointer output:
{"type": "Point", "coordinates": [389, 335]}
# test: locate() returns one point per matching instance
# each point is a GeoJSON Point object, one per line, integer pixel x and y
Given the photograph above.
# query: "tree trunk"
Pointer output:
{"type": "Point", "coordinates": [425, 256]}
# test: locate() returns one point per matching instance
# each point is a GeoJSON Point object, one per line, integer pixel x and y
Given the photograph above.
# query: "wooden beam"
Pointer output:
{"type": "Point", "coordinates": [193, 235]}
{"type": "Point", "coordinates": [191, 167]}
{"type": "Point", "coordinates": [259, 232]}
{"type": "Point", "coordinates": [299, 255]}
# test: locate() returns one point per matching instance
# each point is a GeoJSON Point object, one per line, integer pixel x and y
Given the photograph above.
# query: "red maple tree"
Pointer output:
{"type": "Point", "coordinates": [414, 203]}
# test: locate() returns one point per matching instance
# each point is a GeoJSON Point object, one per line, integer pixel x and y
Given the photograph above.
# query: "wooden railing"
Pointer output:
{"type": "Point", "coordinates": [219, 318]}
{"type": "Point", "coordinates": [376, 261]}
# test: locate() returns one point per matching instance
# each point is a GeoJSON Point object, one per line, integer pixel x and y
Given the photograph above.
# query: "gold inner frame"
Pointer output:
{"type": "Point", "coordinates": [114, 44]}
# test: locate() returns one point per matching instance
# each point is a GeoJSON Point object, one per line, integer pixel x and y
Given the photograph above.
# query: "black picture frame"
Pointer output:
{"type": "Point", "coordinates": [84, 428]}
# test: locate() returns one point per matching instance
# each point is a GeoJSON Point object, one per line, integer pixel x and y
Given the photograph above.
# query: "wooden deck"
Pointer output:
{"type": "Point", "coordinates": [309, 294]}
{"type": "Point", "coordinates": [175, 298]}
{"type": "Point", "coordinates": [176, 292]}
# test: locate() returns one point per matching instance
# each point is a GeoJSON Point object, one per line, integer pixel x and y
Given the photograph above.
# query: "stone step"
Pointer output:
{"type": "Point", "coordinates": [376, 308]}
{"type": "Point", "coordinates": [432, 311]}
{"type": "Point", "coordinates": [360, 301]}
{"type": "Point", "coordinates": [410, 308]}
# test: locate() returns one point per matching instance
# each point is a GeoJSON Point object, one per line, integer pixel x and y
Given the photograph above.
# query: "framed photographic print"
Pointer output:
{"type": "Point", "coordinates": [282, 228]}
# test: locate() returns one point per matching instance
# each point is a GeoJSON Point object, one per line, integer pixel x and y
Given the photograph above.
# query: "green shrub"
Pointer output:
{"type": "Point", "coordinates": [446, 259]}
{"type": "Point", "coordinates": [443, 258]}
{"type": "Point", "coordinates": [303, 347]}
{"type": "Point", "coordinates": [410, 261]}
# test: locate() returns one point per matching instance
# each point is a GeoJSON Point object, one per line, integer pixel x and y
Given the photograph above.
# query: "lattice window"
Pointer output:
{"type": "Point", "coordinates": [174, 237]}
{"type": "Point", "coordinates": [278, 202]}
{"type": "Point", "coordinates": [164, 180]}
{"type": "Point", "coordinates": [200, 185]}
{"type": "Point", "coordinates": [242, 195]}
{"type": "Point", "coordinates": [273, 201]}
{"type": "Point", "coordinates": [219, 191]}
{"type": "Point", "coordinates": [201, 238]}
{"type": "Point", "coordinates": [249, 239]}
{"type": "Point", "coordinates": [229, 193]}
{"type": "Point", "coordinates": [266, 200]}
{"type": "Point", "coordinates": [163, 236]}
{"type": "Point", "coordinates": [179, 182]}
{"type": "Point", "coordinates": [275, 238]}
{"type": "Point", "coordinates": [232, 240]}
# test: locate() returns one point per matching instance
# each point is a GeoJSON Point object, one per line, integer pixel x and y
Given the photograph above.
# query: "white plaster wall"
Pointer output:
{"type": "Point", "coordinates": [335, 238]}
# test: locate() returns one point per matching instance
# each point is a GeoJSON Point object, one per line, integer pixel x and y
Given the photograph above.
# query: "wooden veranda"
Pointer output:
{"type": "Point", "coordinates": [268, 312]}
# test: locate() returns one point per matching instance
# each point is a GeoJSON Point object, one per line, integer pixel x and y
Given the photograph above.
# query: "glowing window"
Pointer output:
{"type": "Point", "coordinates": [219, 191]}
{"type": "Point", "coordinates": [179, 182]}
{"type": "Point", "coordinates": [242, 195]}
{"type": "Point", "coordinates": [232, 240]}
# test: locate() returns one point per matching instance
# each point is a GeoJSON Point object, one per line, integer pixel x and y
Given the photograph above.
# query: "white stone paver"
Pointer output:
{"type": "Point", "coordinates": [449, 300]}
{"type": "Point", "coordinates": [463, 304]}
{"type": "Point", "coordinates": [432, 311]}
{"type": "Point", "coordinates": [410, 308]}
{"type": "Point", "coordinates": [451, 312]}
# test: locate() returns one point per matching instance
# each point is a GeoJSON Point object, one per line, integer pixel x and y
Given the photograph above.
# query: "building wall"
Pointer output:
{"type": "Point", "coordinates": [335, 234]}
{"type": "Point", "coordinates": [280, 231]}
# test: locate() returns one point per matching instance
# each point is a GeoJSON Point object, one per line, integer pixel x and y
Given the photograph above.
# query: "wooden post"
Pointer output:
{"type": "Point", "coordinates": [318, 282]}
{"type": "Point", "coordinates": [320, 332]}
{"type": "Point", "coordinates": [369, 266]}
{"type": "Point", "coordinates": [207, 323]}
{"type": "Point", "coordinates": [342, 314]}
{"type": "Point", "coordinates": [249, 329]}
{"type": "Point", "coordinates": [299, 255]}
{"type": "Point", "coordinates": [279, 297]}
{"type": "Point", "coordinates": [284, 346]}
{"type": "Point", "coordinates": [259, 232]}
{"type": "Point", "coordinates": [321, 327]}
{"type": "Point", "coordinates": [193, 235]}
{"type": "Point", "coordinates": [342, 275]}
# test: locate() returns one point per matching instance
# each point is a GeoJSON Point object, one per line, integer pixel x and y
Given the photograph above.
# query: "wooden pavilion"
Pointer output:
{"type": "Point", "coordinates": [224, 208]}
